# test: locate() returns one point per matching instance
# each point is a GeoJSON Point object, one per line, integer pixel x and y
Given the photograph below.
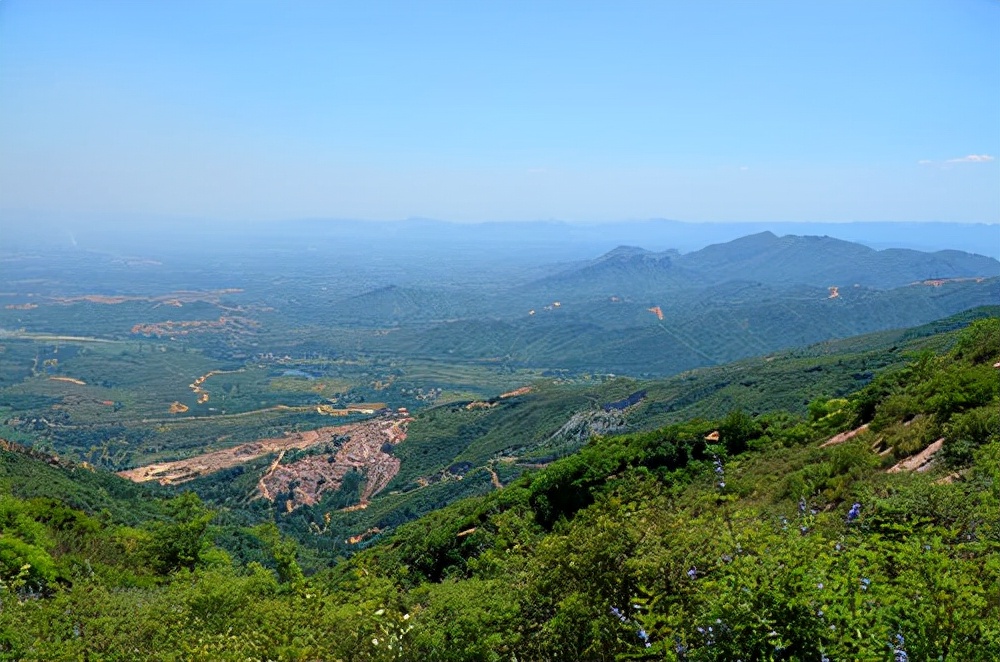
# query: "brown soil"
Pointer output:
{"type": "Point", "coordinates": [307, 479]}
{"type": "Point", "coordinates": [494, 478]}
{"type": "Point", "coordinates": [68, 379]}
{"type": "Point", "coordinates": [834, 292]}
{"type": "Point", "coordinates": [359, 408]}
{"type": "Point", "coordinates": [844, 436]}
{"type": "Point", "coordinates": [938, 282]}
{"type": "Point", "coordinates": [172, 299]}
{"type": "Point", "coordinates": [656, 310]}
{"type": "Point", "coordinates": [171, 328]}
{"type": "Point", "coordinates": [919, 462]}
{"type": "Point", "coordinates": [480, 404]}
{"type": "Point", "coordinates": [524, 390]}
{"type": "Point", "coordinates": [180, 471]}
{"type": "Point", "coordinates": [196, 388]}
{"type": "Point", "coordinates": [354, 540]}
{"type": "Point", "coordinates": [177, 408]}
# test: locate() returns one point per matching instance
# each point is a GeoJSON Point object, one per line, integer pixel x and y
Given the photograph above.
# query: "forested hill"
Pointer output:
{"type": "Point", "coordinates": [867, 529]}
{"type": "Point", "coordinates": [787, 260]}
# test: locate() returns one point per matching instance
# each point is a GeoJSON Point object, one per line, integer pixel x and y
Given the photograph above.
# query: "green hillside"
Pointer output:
{"type": "Point", "coordinates": [450, 448]}
{"type": "Point", "coordinates": [699, 327]}
{"type": "Point", "coordinates": [741, 536]}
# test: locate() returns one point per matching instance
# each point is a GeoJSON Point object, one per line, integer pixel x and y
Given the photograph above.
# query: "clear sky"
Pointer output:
{"type": "Point", "coordinates": [473, 110]}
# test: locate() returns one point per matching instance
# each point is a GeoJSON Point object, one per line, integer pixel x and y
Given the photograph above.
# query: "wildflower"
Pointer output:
{"type": "Point", "coordinates": [615, 611]}
{"type": "Point", "coordinates": [802, 505]}
{"type": "Point", "coordinates": [692, 573]}
{"type": "Point", "coordinates": [865, 583]}
{"type": "Point", "coordinates": [720, 473]}
{"type": "Point", "coordinates": [899, 653]}
{"type": "Point", "coordinates": [645, 637]}
{"type": "Point", "coordinates": [804, 529]}
{"type": "Point", "coordinates": [854, 512]}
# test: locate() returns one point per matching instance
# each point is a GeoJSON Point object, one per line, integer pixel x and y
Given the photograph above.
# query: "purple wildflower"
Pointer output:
{"type": "Point", "coordinates": [899, 653]}
{"type": "Point", "coordinates": [854, 512]}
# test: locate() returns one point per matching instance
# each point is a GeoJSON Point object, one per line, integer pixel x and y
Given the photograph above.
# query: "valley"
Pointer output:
{"type": "Point", "coordinates": [426, 436]}
{"type": "Point", "coordinates": [499, 332]}
{"type": "Point", "coordinates": [181, 373]}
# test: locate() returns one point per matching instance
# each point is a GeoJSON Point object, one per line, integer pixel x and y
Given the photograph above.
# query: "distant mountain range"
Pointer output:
{"type": "Point", "coordinates": [642, 312]}
{"type": "Point", "coordinates": [769, 259]}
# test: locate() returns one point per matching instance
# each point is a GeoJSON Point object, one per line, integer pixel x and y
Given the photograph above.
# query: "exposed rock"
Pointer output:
{"type": "Point", "coordinates": [844, 436]}
{"type": "Point", "coordinates": [307, 479]}
{"type": "Point", "coordinates": [921, 461]}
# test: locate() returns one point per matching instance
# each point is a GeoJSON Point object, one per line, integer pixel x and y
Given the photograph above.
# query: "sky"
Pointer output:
{"type": "Point", "coordinates": [474, 111]}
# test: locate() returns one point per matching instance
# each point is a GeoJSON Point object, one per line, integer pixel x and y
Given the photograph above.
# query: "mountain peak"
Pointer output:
{"type": "Point", "coordinates": [624, 252]}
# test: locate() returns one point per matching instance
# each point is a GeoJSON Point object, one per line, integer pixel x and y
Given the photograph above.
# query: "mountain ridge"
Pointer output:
{"type": "Point", "coordinates": [820, 261]}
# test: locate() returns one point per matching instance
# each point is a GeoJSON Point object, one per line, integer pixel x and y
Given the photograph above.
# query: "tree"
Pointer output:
{"type": "Point", "coordinates": [737, 430]}
{"type": "Point", "coordinates": [180, 542]}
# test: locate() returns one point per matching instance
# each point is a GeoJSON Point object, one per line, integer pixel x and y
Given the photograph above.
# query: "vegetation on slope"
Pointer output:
{"type": "Point", "coordinates": [754, 543]}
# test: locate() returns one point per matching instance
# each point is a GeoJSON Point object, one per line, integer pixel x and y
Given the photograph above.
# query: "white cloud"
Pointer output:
{"type": "Point", "coordinates": [972, 158]}
{"type": "Point", "coordinates": [924, 162]}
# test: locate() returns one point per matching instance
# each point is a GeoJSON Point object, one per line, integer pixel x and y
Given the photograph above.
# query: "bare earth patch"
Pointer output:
{"type": "Point", "coordinates": [307, 479]}
{"type": "Point", "coordinates": [844, 436]}
{"type": "Point", "coordinates": [304, 481]}
{"type": "Point", "coordinates": [919, 462]}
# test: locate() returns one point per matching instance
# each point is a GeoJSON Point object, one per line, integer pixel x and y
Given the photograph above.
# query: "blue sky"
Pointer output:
{"type": "Point", "coordinates": [470, 111]}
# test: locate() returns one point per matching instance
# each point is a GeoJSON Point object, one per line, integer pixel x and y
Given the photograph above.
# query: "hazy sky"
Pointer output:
{"type": "Point", "coordinates": [752, 110]}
